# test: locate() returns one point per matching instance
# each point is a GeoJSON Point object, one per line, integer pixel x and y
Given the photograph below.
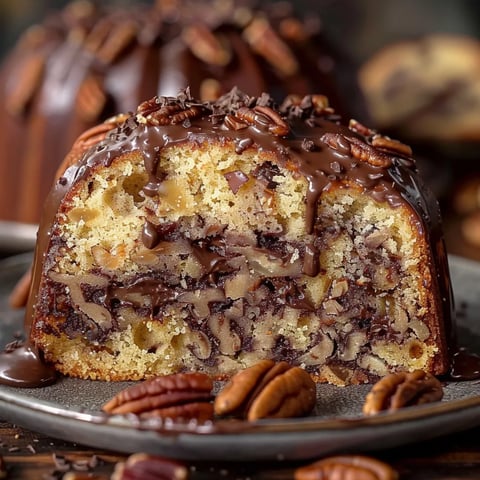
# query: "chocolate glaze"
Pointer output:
{"type": "Point", "coordinates": [465, 365]}
{"type": "Point", "coordinates": [323, 164]}
{"type": "Point", "coordinates": [23, 367]}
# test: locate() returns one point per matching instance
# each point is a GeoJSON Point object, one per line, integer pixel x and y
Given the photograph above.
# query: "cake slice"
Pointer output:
{"type": "Point", "coordinates": [205, 236]}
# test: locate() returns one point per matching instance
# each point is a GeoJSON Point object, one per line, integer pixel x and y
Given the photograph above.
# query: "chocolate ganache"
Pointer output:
{"type": "Point", "coordinates": [303, 138]}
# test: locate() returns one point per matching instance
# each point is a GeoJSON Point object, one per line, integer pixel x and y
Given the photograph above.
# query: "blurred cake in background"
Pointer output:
{"type": "Point", "coordinates": [426, 89]}
{"type": "Point", "coordinates": [86, 63]}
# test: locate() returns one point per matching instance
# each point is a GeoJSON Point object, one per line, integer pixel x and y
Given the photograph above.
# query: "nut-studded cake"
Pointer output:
{"type": "Point", "coordinates": [88, 62]}
{"type": "Point", "coordinates": [207, 236]}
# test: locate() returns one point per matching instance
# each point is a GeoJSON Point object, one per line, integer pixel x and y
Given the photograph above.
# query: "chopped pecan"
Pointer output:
{"type": "Point", "coordinates": [141, 466]}
{"type": "Point", "coordinates": [268, 390]}
{"type": "Point", "coordinates": [402, 389]}
{"type": "Point", "coordinates": [178, 396]}
{"type": "Point", "coordinates": [358, 467]}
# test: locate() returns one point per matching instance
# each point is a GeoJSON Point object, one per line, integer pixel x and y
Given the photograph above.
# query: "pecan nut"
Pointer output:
{"type": "Point", "coordinates": [359, 467]}
{"type": "Point", "coordinates": [180, 396]}
{"type": "Point", "coordinates": [267, 390]}
{"type": "Point", "coordinates": [141, 466]}
{"type": "Point", "coordinates": [358, 149]}
{"type": "Point", "coordinates": [402, 389]}
{"type": "Point", "coordinates": [262, 117]}
{"type": "Point", "coordinates": [161, 111]}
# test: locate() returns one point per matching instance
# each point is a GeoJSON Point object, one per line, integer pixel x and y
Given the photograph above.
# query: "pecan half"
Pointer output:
{"type": "Point", "coordinates": [180, 396]}
{"type": "Point", "coordinates": [358, 149]}
{"type": "Point", "coordinates": [267, 390]}
{"type": "Point", "coordinates": [262, 117]}
{"type": "Point", "coordinates": [358, 467]}
{"type": "Point", "coordinates": [141, 466]}
{"type": "Point", "coordinates": [402, 389]}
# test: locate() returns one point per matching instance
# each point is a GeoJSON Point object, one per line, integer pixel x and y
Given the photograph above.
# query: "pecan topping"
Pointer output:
{"type": "Point", "coordinates": [358, 149]}
{"type": "Point", "coordinates": [157, 111]}
{"type": "Point", "coordinates": [346, 467]}
{"type": "Point", "coordinates": [268, 390]}
{"type": "Point", "coordinates": [402, 389]}
{"type": "Point", "coordinates": [141, 466]}
{"type": "Point", "coordinates": [177, 396]}
{"type": "Point", "coordinates": [262, 117]}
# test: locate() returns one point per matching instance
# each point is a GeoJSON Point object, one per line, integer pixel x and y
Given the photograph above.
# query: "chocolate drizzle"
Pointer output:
{"type": "Point", "coordinates": [24, 367]}
{"type": "Point", "coordinates": [336, 155]}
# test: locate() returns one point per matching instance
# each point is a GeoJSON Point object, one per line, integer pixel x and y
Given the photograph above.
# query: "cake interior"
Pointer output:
{"type": "Point", "coordinates": [216, 269]}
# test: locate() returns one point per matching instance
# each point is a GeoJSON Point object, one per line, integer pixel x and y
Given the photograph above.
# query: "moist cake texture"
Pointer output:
{"type": "Point", "coordinates": [206, 236]}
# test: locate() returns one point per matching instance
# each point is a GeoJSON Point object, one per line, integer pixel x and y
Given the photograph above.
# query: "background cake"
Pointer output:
{"type": "Point", "coordinates": [89, 62]}
{"type": "Point", "coordinates": [207, 236]}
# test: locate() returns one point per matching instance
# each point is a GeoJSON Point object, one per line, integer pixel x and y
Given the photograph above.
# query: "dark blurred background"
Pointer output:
{"type": "Point", "coordinates": [359, 26]}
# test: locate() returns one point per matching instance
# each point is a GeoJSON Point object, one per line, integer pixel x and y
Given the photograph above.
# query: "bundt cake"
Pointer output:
{"type": "Point", "coordinates": [206, 236]}
{"type": "Point", "coordinates": [89, 61]}
{"type": "Point", "coordinates": [426, 89]}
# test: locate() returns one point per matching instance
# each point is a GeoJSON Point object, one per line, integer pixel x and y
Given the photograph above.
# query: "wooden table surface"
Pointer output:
{"type": "Point", "coordinates": [29, 455]}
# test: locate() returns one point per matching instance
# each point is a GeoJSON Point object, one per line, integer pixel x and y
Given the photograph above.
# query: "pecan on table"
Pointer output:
{"type": "Point", "coordinates": [402, 389]}
{"type": "Point", "coordinates": [180, 396]}
{"type": "Point", "coordinates": [141, 466]}
{"type": "Point", "coordinates": [267, 390]}
{"type": "Point", "coordinates": [346, 467]}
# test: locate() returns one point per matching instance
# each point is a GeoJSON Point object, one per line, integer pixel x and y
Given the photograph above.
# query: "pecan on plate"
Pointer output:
{"type": "Point", "coordinates": [267, 390]}
{"type": "Point", "coordinates": [402, 389]}
{"type": "Point", "coordinates": [141, 466]}
{"type": "Point", "coordinates": [180, 396]}
{"type": "Point", "coordinates": [358, 467]}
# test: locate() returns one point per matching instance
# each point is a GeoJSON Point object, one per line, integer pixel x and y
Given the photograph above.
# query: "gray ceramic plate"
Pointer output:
{"type": "Point", "coordinates": [17, 237]}
{"type": "Point", "coordinates": [70, 409]}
